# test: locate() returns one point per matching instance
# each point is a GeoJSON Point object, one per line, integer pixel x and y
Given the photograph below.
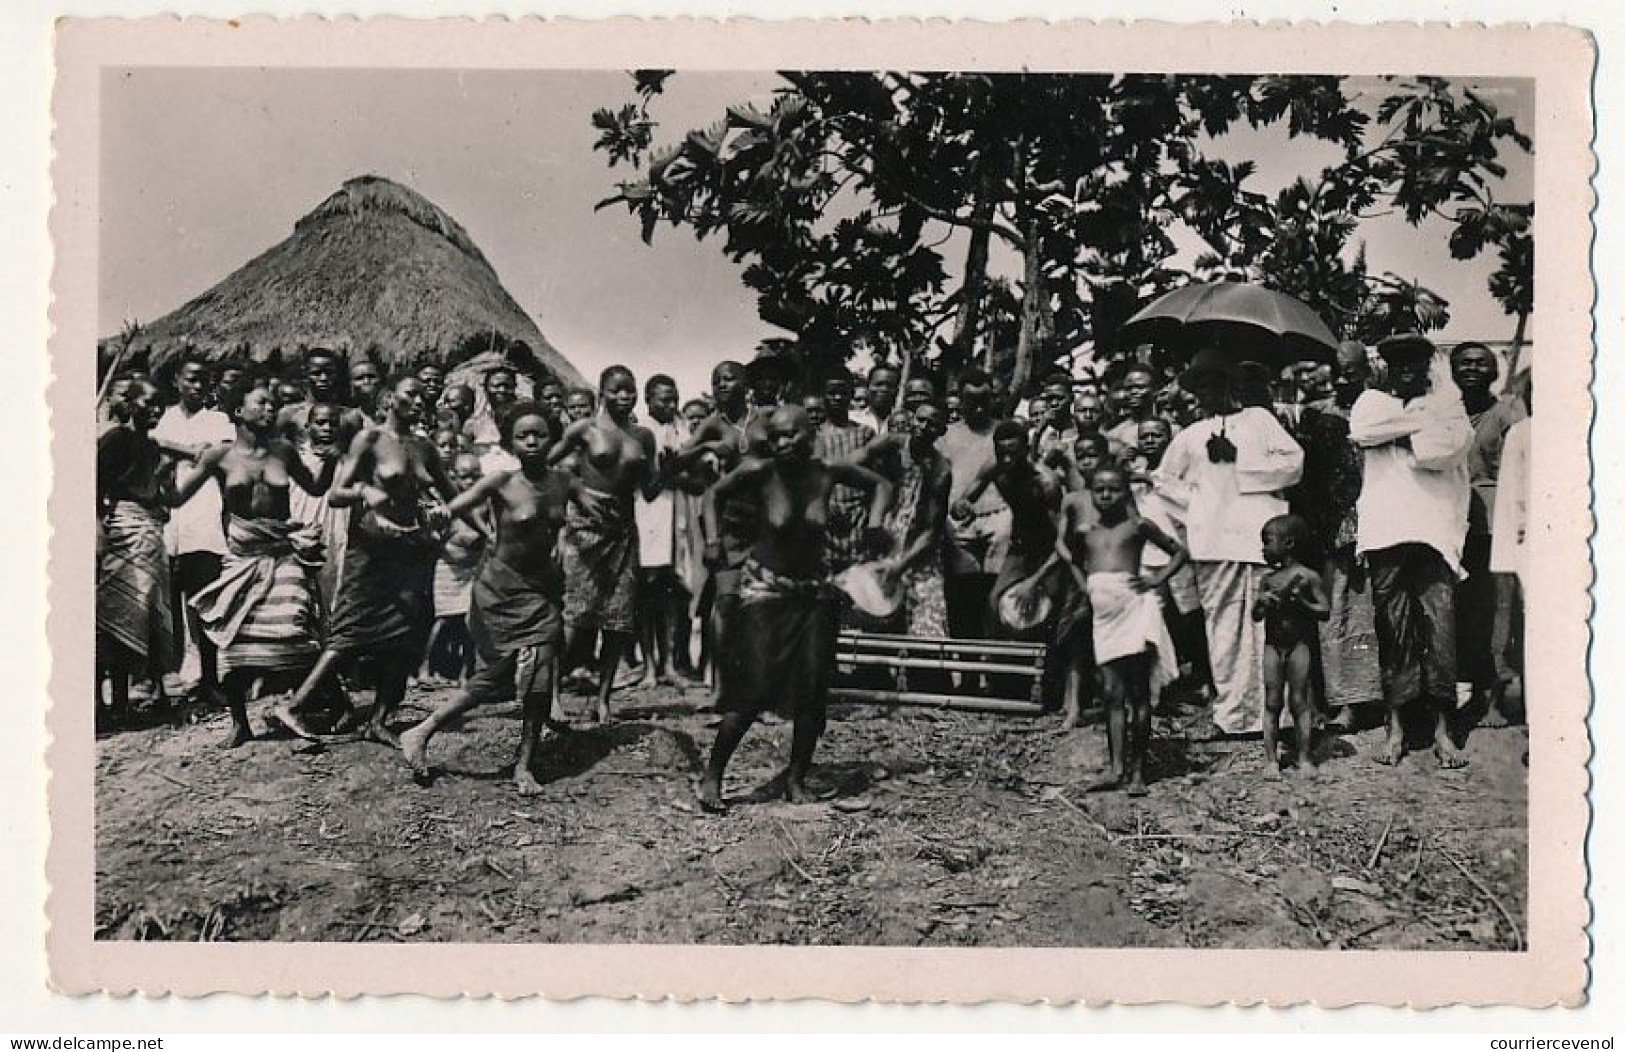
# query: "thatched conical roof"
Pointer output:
{"type": "Point", "coordinates": [374, 269]}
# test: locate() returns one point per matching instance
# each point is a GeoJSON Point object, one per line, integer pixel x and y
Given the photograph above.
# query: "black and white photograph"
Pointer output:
{"type": "Point", "coordinates": [923, 509]}
{"type": "Point", "coordinates": [895, 514]}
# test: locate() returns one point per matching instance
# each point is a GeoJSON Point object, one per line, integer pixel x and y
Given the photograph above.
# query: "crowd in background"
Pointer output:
{"type": "Point", "coordinates": [1338, 539]}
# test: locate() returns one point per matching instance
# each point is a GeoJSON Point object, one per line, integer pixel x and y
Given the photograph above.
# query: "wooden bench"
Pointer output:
{"type": "Point", "coordinates": [896, 656]}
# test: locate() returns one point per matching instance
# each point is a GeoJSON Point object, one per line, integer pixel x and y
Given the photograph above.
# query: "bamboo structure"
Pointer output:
{"type": "Point", "coordinates": [896, 655]}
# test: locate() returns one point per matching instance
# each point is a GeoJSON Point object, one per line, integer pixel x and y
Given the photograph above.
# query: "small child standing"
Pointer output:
{"type": "Point", "coordinates": [1132, 648]}
{"type": "Point", "coordinates": [449, 654]}
{"type": "Point", "coordinates": [1291, 598]}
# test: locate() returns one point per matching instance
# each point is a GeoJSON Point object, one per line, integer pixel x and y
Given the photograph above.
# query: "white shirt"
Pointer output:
{"type": "Point", "coordinates": [1225, 505]}
{"type": "Point", "coordinates": [979, 545]}
{"type": "Point", "coordinates": [1417, 495]}
{"type": "Point", "coordinates": [494, 460]}
{"type": "Point", "coordinates": [1511, 522]}
{"type": "Point", "coordinates": [195, 526]}
{"type": "Point", "coordinates": [657, 518]}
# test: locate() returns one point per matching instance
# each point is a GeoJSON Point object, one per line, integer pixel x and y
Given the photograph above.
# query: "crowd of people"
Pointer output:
{"type": "Point", "coordinates": [1337, 542]}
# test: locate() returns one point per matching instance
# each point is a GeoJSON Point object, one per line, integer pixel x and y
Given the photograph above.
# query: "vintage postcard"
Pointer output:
{"type": "Point", "coordinates": [916, 512]}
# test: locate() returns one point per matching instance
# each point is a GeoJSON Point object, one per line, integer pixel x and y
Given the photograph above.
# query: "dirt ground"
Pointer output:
{"type": "Point", "coordinates": [946, 829]}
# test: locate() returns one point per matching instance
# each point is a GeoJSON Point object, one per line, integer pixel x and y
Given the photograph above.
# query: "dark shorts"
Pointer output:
{"type": "Point", "coordinates": [659, 584]}
{"type": "Point", "coordinates": [193, 571]}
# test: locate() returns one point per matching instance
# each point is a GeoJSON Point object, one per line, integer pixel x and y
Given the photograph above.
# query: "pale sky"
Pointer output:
{"type": "Point", "coordinates": [204, 169]}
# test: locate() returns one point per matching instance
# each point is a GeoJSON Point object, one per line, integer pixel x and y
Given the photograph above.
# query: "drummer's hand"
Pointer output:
{"type": "Point", "coordinates": [962, 511]}
{"type": "Point", "coordinates": [436, 517]}
{"type": "Point", "coordinates": [374, 497]}
{"type": "Point", "coordinates": [713, 555]}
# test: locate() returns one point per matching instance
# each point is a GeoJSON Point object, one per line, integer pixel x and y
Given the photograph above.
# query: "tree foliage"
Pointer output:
{"type": "Point", "coordinates": [840, 196]}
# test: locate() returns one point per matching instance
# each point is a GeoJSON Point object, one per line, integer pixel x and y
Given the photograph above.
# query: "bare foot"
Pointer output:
{"type": "Point", "coordinates": [1392, 751]}
{"type": "Point", "coordinates": [377, 731]}
{"type": "Point", "coordinates": [1136, 787]}
{"type": "Point", "coordinates": [525, 782]}
{"type": "Point", "coordinates": [284, 714]}
{"type": "Point", "coordinates": [709, 795]}
{"type": "Point", "coordinates": [415, 747]}
{"type": "Point", "coordinates": [601, 714]}
{"type": "Point", "coordinates": [241, 733]}
{"type": "Point", "coordinates": [1449, 757]}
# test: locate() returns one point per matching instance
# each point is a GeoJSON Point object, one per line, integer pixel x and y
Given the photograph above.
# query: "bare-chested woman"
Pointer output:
{"type": "Point", "coordinates": [714, 449]}
{"type": "Point", "coordinates": [262, 612]}
{"type": "Point", "coordinates": [789, 613]}
{"type": "Point", "coordinates": [134, 488]}
{"type": "Point", "coordinates": [514, 617]}
{"type": "Point", "coordinates": [614, 459]}
{"type": "Point", "coordinates": [395, 486]}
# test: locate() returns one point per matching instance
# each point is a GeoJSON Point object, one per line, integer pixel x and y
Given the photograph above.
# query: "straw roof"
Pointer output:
{"type": "Point", "coordinates": [375, 269]}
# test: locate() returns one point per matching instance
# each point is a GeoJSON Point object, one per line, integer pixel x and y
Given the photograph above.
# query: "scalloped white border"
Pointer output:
{"type": "Point", "coordinates": [1552, 972]}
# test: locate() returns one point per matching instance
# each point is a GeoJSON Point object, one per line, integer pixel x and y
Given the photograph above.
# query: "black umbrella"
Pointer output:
{"type": "Point", "coordinates": [1249, 322]}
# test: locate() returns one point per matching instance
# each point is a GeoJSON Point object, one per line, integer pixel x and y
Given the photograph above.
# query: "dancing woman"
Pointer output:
{"type": "Point", "coordinates": [395, 487]}
{"type": "Point", "coordinates": [614, 459]}
{"type": "Point", "coordinates": [789, 614]}
{"type": "Point", "coordinates": [515, 619]}
{"type": "Point", "coordinates": [262, 612]}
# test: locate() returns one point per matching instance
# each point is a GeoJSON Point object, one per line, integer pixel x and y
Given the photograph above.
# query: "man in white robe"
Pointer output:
{"type": "Point", "coordinates": [1223, 478]}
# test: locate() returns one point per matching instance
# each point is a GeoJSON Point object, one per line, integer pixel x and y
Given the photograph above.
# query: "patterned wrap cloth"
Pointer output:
{"type": "Point", "coordinates": [600, 555]}
{"type": "Point", "coordinates": [925, 602]}
{"type": "Point", "coordinates": [263, 612]}
{"type": "Point", "coordinates": [133, 618]}
{"type": "Point", "coordinates": [848, 505]}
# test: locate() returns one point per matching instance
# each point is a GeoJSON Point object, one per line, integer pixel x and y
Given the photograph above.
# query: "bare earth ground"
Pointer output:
{"type": "Point", "coordinates": [946, 830]}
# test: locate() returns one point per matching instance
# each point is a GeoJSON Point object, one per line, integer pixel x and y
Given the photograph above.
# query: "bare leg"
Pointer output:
{"type": "Point", "coordinates": [1300, 685]}
{"type": "Point", "coordinates": [729, 735]}
{"type": "Point", "coordinates": [608, 661]}
{"type": "Point", "coordinates": [808, 728]}
{"type": "Point", "coordinates": [654, 668]}
{"type": "Point", "coordinates": [118, 688]}
{"type": "Point", "coordinates": [236, 690]}
{"type": "Point", "coordinates": [1393, 748]}
{"type": "Point", "coordinates": [1444, 748]}
{"type": "Point", "coordinates": [1111, 684]}
{"type": "Point", "coordinates": [1274, 688]}
{"type": "Point", "coordinates": [425, 673]}
{"type": "Point", "coordinates": [391, 689]}
{"type": "Point", "coordinates": [1138, 736]}
{"type": "Point", "coordinates": [287, 711]}
{"type": "Point", "coordinates": [414, 742]}
{"type": "Point", "coordinates": [208, 657]}
{"type": "Point", "coordinates": [1072, 706]}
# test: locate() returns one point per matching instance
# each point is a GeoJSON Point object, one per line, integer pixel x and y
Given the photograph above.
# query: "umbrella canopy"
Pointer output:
{"type": "Point", "coordinates": [1248, 321]}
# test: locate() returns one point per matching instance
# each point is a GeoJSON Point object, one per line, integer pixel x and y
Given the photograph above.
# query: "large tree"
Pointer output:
{"type": "Point", "coordinates": [842, 193]}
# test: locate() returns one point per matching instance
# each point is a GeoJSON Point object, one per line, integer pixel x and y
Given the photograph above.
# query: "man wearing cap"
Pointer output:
{"type": "Point", "coordinates": [1223, 476]}
{"type": "Point", "coordinates": [1412, 527]}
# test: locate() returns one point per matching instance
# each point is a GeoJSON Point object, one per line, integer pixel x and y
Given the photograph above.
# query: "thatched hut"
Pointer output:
{"type": "Point", "coordinates": [377, 270]}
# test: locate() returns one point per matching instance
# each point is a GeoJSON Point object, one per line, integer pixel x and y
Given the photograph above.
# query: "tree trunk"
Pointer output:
{"type": "Point", "coordinates": [1516, 350]}
{"type": "Point", "coordinates": [963, 345]}
{"type": "Point", "coordinates": [1034, 308]}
